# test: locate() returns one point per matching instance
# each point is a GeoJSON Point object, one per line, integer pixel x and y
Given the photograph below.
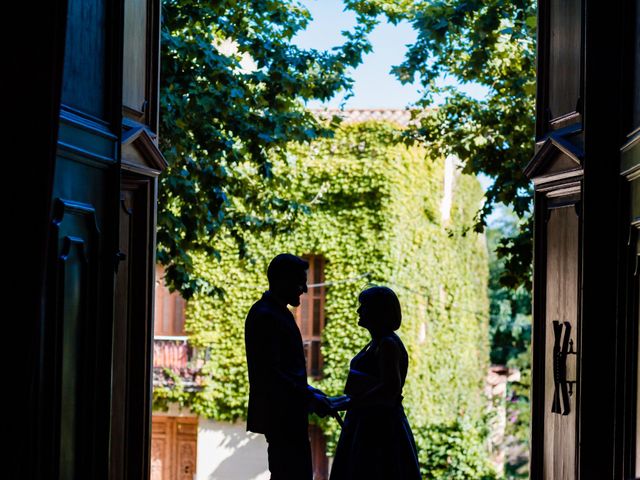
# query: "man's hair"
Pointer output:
{"type": "Point", "coordinates": [285, 266]}
{"type": "Point", "coordinates": [386, 304]}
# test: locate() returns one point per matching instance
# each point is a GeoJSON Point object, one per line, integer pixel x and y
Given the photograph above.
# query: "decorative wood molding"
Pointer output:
{"type": "Point", "coordinates": [85, 137]}
{"type": "Point", "coordinates": [630, 157]}
{"type": "Point", "coordinates": [82, 117]}
{"type": "Point", "coordinates": [565, 120]}
{"type": "Point", "coordinates": [562, 190]}
{"type": "Point", "coordinates": [134, 113]}
{"type": "Point", "coordinates": [64, 206]}
{"type": "Point", "coordinates": [555, 160]}
{"type": "Point", "coordinates": [556, 168]}
{"type": "Point", "coordinates": [140, 153]}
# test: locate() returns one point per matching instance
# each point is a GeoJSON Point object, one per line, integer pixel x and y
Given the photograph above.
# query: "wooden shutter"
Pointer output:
{"type": "Point", "coordinates": [169, 309]}
{"type": "Point", "coordinates": [310, 315]}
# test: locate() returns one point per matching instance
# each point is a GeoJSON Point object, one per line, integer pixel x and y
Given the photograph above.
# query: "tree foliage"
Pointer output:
{"type": "Point", "coordinates": [233, 87]}
{"type": "Point", "coordinates": [232, 91]}
{"type": "Point", "coordinates": [510, 321]}
{"type": "Point", "coordinates": [490, 43]}
{"type": "Point", "coordinates": [510, 334]}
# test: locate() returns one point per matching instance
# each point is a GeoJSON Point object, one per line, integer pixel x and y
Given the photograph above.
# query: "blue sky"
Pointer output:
{"type": "Point", "coordinates": [374, 86]}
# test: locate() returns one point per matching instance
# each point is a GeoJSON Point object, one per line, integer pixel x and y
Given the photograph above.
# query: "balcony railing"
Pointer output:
{"type": "Point", "coordinates": [175, 357]}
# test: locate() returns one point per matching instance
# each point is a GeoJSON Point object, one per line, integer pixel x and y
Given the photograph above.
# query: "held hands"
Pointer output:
{"type": "Point", "coordinates": [319, 402]}
{"type": "Point", "coordinates": [322, 405]}
{"type": "Point", "coordinates": [341, 402]}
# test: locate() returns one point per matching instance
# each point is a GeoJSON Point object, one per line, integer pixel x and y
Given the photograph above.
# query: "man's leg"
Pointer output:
{"type": "Point", "coordinates": [289, 458]}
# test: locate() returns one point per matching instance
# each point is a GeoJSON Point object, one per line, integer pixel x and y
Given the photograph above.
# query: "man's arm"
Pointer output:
{"type": "Point", "coordinates": [263, 345]}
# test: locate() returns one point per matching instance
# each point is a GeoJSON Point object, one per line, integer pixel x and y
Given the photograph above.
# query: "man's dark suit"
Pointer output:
{"type": "Point", "coordinates": [279, 395]}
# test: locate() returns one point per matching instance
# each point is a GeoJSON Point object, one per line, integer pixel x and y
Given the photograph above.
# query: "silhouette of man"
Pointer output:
{"type": "Point", "coordinates": [279, 397]}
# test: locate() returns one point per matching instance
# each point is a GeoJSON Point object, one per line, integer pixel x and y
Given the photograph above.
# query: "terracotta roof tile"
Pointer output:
{"type": "Point", "coordinates": [401, 116]}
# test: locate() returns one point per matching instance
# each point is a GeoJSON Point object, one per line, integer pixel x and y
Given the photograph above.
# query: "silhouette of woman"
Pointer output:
{"type": "Point", "coordinates": [376, 441]}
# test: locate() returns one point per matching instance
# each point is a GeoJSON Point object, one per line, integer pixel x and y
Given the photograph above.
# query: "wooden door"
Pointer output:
{"type": "Point", "coordinates": [133, 332]}
{"type": "Point", "coordinates": [635, 316]}
{"type": "Point", "coordinates": [73, 432]}
{"type": "Point", "coordinates": [557, 172]}
{"type": "Point", "coordinates": [77, 329]}
{"type": "Point", "coordinates": [174, 443]}
{"type": "Point", "coordinates": [561, 331]}
{"type": "Point", "coordinates": [588, 111]}
{"type": "Point", "coordinates": [628, 461]}
{"type": "Point", "coordinates": [629, 416]}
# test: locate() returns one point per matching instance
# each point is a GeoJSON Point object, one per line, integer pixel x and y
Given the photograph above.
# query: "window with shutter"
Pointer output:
{"type": "Point", "coordinates": [169, 309]}
{"type": "Point", "coordinates": [310, 315]}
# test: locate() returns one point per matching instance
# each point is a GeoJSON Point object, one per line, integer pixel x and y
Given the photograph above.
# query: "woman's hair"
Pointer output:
{"type": "Point", "coordinates": [386, 303]}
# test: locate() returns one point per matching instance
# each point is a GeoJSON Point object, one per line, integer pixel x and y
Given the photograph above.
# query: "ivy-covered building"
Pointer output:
{"type": "Point", "coordinates": [380, 212]}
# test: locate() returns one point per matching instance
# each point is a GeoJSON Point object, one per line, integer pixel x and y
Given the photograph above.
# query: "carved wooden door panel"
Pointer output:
{"type": "Point", "coordinates": [76, 325]}
{"type": "Point", "coordinates": [186, 445]}
{"type": "Point", "coordinates": [160, 449]}
{"type": "Point", "coordinates": [131, 401]}
{"type": "Point", "coordinates": [561, 330]}
{"type": "Point", "coordinates": [174, 444]}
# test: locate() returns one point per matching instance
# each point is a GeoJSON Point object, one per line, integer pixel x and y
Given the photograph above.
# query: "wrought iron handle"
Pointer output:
{"type": "Point", "coordinates": [119, 257]}
{"type": "Point", "coordinates": [562, 347]}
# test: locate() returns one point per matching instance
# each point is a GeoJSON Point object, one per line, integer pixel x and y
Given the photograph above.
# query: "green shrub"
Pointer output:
{"type": "Point", "coordinates": [454, 451]}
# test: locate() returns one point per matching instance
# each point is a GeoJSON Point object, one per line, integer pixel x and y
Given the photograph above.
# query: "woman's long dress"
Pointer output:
{"type": "Point", "coordinates": [376, 442]}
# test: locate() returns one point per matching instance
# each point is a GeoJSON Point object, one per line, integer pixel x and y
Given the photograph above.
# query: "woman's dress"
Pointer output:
{"type": "Point", "coordinates": [376, 441]}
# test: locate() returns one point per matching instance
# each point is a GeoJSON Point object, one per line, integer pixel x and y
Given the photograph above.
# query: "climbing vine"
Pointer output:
{"type": "Point", "coordinates": [375, 215]}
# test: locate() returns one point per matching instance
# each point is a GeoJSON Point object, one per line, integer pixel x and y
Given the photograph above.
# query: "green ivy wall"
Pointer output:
{"type": "Point", "coordinates": [375, 217]}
